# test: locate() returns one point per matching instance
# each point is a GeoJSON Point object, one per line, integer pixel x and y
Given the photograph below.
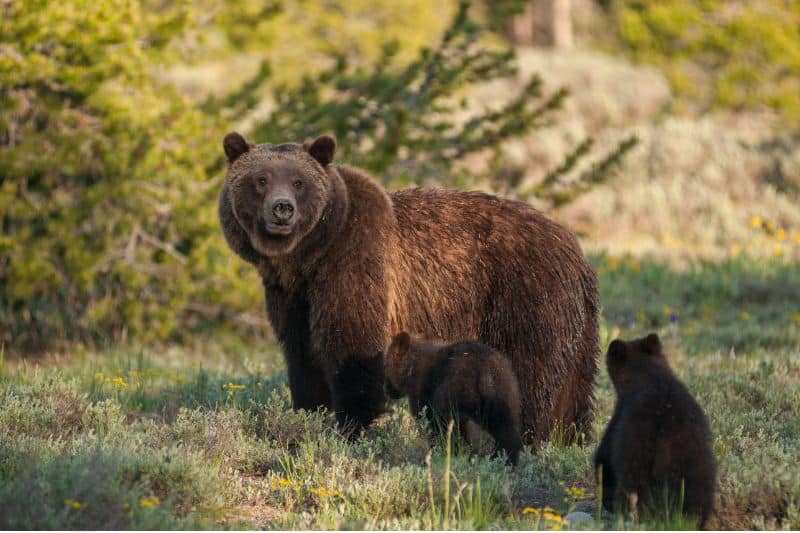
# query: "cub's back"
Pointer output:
{"type": "Point", "coordinates": [663, 436]}
{"type": "Point", "coordinates": [473, 372]}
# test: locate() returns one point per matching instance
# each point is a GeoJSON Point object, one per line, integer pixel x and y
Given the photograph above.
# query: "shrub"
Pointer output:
{"type": "Point", "coordinates": [719, 53]}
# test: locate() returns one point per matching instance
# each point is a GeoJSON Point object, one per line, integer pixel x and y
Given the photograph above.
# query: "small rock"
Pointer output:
{"type": "Point", "coordinates": [579, 520]}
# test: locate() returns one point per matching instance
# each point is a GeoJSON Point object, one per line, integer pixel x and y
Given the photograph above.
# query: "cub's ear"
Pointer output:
{"type": "Point", "coordinates": [322, 149]}
{"type": "Point", "coordinates": [617, 351]}
{"type": "Point", "coordinates": [400, 344]}
{"type": "Point", "coordinates": [234, 145]}
{"type": "Point", "coordinates": [652, 344]}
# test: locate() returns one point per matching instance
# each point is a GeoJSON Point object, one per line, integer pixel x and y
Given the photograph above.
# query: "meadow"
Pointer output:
{"type": "Point", "coordinates": [140, 384]}
{"type": "Point", "coordinates": [201, 435]}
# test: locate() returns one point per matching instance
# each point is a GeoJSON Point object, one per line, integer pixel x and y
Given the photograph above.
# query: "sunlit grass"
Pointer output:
{"type": "Point", "coordinates": [203, 436]}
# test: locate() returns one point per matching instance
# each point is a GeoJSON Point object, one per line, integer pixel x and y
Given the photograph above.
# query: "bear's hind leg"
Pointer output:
{"type": "Point", "coordinates": [500, 423]}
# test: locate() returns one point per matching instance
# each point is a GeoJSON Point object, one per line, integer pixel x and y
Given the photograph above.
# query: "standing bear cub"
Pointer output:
{"type": "Point", "coordinates": [344, 265]}
{"type": "Point", "coordinates": [656, 445]}
{"type": "Point", "coordinates": [462, 381]}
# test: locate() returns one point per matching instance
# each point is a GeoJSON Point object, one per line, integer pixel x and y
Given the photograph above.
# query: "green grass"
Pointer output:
{"type": "Point", "coordinates": [202, 436]}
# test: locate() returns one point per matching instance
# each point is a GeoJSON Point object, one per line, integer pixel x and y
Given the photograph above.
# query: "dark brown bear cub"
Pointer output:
{"type": "Point", "coordinates": [466, 381]}
{"type": "Point", "coordinates": [657, 442]}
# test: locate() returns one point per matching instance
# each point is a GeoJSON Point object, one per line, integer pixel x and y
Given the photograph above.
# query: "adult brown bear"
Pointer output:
{"type": "Point", "coordinates": [346, 265]}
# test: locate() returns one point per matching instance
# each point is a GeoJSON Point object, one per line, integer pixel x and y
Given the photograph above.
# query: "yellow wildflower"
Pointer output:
{"type": "Point", "coordinates": [769, 227]}
{"type": "Point", "coordinates": [780, 234]}
{"type": "Point", "coordinates": [796, 318]}
{"type": "Point", "coordinates": [634, 266]}
{"type": "Point", "coordinates": [575, 493]}
{"type": "Point", "coordinates": [74, 504]}
{"type": "Point", "coordinates": [324, 492]}
{"type": "Point", "coordinates": [736, 250]}
{"type": "Point", "coordinates": [613, 264]}
{"type": "Point", "coordinates": [756, 222]}
{"type": "Point", "coordinates": [99, 375]}
{"type": "Point", "coordinates": [796, 236]}
{"type": "Point", "coordinates": [281, 482]}
{"type": "Point", "coordinates": [777, 250]}
{"type": "Point", "coordinates": [232, 386]}
{"type": "Point", "coordinates": [532, 510]}
{"type": "Point", "coordinates": [744, 315]}
{"type": "Point", "coordinates": [149, 503]}
{"type": "Point", "coordinates": [119, 382]}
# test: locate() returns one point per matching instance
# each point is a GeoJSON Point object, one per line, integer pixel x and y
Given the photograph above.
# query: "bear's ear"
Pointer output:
{"type": "Point", "coordinates": [652, 344]}
{"type": "Point", "coordinates": [400, 344]}
{"type": "Point", "coordinates": [322, 149]}
{"type": "Point", "coordinates": [234, 145]}
{"type": "Point", "coordinates": [617, 351]}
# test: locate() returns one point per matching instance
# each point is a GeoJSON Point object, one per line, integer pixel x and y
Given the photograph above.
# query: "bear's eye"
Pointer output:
{"type": "Point", "coordinates": [262, 182]}
{"type": "Point", "coordinates": [298, 184]}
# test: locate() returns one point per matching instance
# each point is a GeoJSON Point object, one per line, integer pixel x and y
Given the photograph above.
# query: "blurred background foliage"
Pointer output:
{"type": "Point", "coordinates": [112, 114]}
{"type": "Point", "coordinates": [111, 162]}
{"type": "Point", "coordinates": [732, 54]}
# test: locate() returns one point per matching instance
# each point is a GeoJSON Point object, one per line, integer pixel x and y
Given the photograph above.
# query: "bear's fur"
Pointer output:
{"type": "Point", "coordinates": [357, 265]}
{"type": "Point", "coordinates": [462, 381]}
{"type": "Point", "coordinates": [658, 437]}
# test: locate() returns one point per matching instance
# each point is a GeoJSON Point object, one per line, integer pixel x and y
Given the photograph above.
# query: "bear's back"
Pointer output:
{"type": "Point", "coordinates": [456, 250]}
{"type": "Point", "coordinates": [471, 372]}
{"type": "Point", "coordinates": [663, 437]}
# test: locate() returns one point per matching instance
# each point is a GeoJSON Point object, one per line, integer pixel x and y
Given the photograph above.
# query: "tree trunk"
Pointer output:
{"type": "Point", "coordinates": [542, 23]}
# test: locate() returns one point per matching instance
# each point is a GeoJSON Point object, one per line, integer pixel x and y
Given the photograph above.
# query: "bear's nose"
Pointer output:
{"type": "Point", "coordinates": [283, 210]}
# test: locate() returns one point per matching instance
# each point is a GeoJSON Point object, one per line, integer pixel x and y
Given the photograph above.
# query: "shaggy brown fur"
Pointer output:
{"type": "Point", "coordinates": [355, 265]}
{"type": "Point", "coordinates": [463, 381]}
{"type": "Point", "coordinates": [658, 437]}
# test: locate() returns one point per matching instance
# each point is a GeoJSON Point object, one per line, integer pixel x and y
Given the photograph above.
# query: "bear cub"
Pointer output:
{"type": "Point", "coordinates": [466, 381]}
{"type": "Point", "coordinates": [658, 438]}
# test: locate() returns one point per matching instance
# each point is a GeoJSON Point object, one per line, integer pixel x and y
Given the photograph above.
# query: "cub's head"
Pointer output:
{"type": "Point", "coordinates": [406, 364]}
{"type": "Point", "coordinates": [398, 366]}
{"type": "Point", "coordinates": [273, 195]}
{"type": "Point", "coordinates": [636, 361]}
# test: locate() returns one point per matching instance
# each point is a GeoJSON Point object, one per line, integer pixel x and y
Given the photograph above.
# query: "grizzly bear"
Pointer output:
{"type": "Point", "coordinates": [345, 265]}
{"type": "Point", "coordinates": [465, 381]}
{"type": "Point", "coordinates": [656, 445]}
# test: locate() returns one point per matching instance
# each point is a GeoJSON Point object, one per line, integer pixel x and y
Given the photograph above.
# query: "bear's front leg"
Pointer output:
{"type": "Point", "coordinates": [602, 464]}
{"type": "Point", "coordinates": [288, 314]}
{"type": "Point", "coordinates": [358, 393]}
{"type": "Point", "coordinates": [348, 330]}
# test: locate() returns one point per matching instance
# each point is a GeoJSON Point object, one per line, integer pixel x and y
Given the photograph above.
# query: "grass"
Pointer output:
{"type": "Point", "coordinates": [202, 436]}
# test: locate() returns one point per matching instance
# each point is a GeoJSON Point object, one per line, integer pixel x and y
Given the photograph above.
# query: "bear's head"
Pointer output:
{"type": "Point", "coordinates": [274, 196]}
{"type": "Point", "coordinates": [635, 362]}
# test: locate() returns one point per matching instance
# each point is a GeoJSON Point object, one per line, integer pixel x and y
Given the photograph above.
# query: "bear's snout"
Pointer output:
{"type": "Point", "coordinates": [282, 210]}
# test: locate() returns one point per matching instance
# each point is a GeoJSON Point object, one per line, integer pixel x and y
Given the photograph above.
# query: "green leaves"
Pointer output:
{"type": "Point", "coordinates": [109, 174]}
{"type": "Point", "coordinates": [738, 55]}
